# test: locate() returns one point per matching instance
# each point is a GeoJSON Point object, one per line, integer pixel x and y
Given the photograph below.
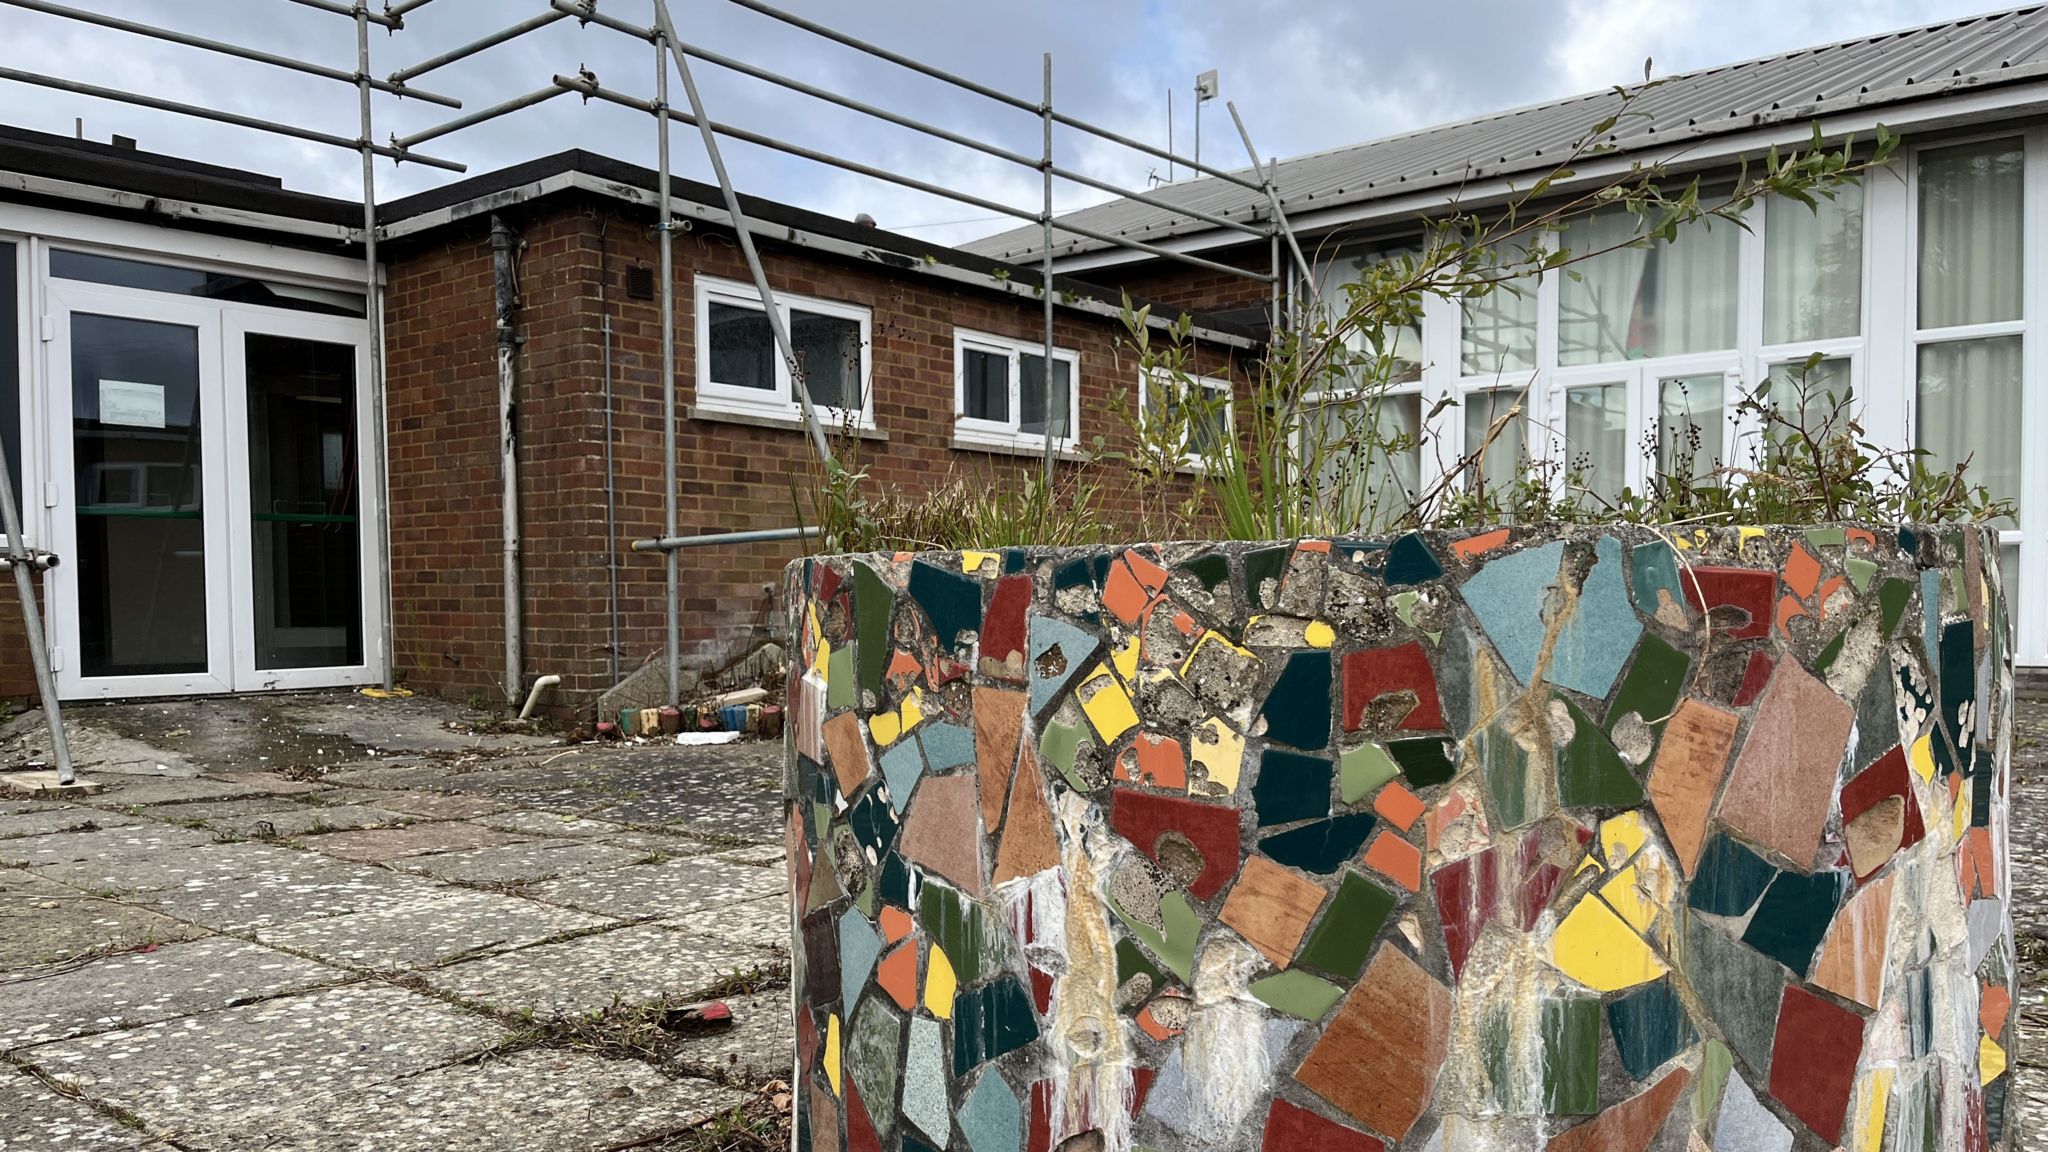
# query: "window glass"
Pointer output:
{"type": "Point", "coordinates": [1350, 457]}
{"type": "Point", "coordinates": [1498, 330]}
{"type": "Point", "coordinates": [1658, 299]}
{"type": "Point", "coordinates": [1404, 341]}
{"type": "Point", "coordinates": [1209, 428]}
{"type": "Point", "coordinates": [828, 347]}
{"type": "Point", "coordinates": [1813, 268]}
{"type": "Point", "coordinates": [1502, 463]}
{"type": "Point", "coordinates": [1690, 424]}
{"type": "Point", "coordinates": [742, 347]}
{"type": "Point", "coordinates": [1970, 258]}
{"type": "Point", "coordinates": [1969, 409]}
{"type": "Point", "coordinates": [987, 385]}
{"type": "Point", "coordinates": [150, 277]}
{"type": "Point", "coordinates": [10, 372]}
{"type": "Point", "coordinates": [1814, 394]}
{"type": "Point", "coordinates": [1031, 395]}
{"type": "Point", "coordinates": [1596, 437]}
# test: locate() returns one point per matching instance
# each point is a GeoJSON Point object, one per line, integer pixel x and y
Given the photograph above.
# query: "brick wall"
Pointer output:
{"type": "Point", "coordinates": [447, 583]}
{"type": "Point", "coordinates": [1186, 286]}
{"type": "Point", "coordinates": [17, 675]}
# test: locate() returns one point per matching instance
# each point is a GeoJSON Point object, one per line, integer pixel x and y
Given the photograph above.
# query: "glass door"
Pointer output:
{"type": "Point", "coordinates": [300, 574]}
{"type": "Point", "coordinates": [137, 450]}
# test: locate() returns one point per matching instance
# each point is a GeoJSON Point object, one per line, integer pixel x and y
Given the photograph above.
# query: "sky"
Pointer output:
{"type": "Point", "coordinates": [1307, 75]}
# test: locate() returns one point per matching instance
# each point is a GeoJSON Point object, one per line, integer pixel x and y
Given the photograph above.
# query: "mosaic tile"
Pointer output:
{"type": "Point", "coordinates": [1687, 775]}
{"type": "Point", "coordinates": [1210, 570]}
{"type": "Point", "coordinates": [1650, 689]}
{"type": "Point", "coordinates": [1362, 770]}
{"type": "Point", "coordinates": [1059, 653]}
{"type": "Point", "coordinates": [1388, 688]}
{"type": "Point", "coordinates": [924, 1082]}
{"type": "Point", "coordinates": [1467, 893]}
{"type": "Point", "coordinates": [873, 601]}
{"type": "Point", "coordinates": [1737, 600]}
{"type": "Point", "coordinates": [1507, 596]}
{"type": "Point", "coordinates": [1297, 994]}
{"type": "Point", "coordinates": [847, 749]}
{"type": "Point", "coordinates": [1321, 846]}
{"type": "Point", "coordinates": [952, 602]}
{"type": "Point", "coordinates": [1738, 986]}
{"type": "Point", "coordinates": [1396, 859]}
{"type": "Point", "coordinates": [1377, 1060]}
{"type": "Point", "coordinates": [1793, 915]}
{"type": "Point", "coordinates": [1650, 1027]}
{"type": "Point", "coordinates": [1291, 787]}
{"type": "Point", "coordinates": [1851, 963]}
{"type": "Point", "coordinates": [1653, 573]}
{"type": "Point", "coordinates": [1290, 1126]}
{"type": "Point", "coordinates": [989, 1021]}
{"type": "Point", "coordinates": [1297, 710]}
{"type": "Point", "coordinates": [1730, 878]}
{"type": "Point", "coordinates": [1425, 760]}
{"type": "Point", "coordinates": [1028, 844]}
{"type": "Point", "coordinates": [1880, 814]}
{"type": "Point", "coordinates": [1783, 783]}
{"type": "Point", "coordinates": [956, 925]}
{"type": "Point", "coordinates": [1210, 829]}
{"type": "Point", "coordinates": [1813, 1068]}
{"type": "Point", "coordinates": [1628, 1126]}
{"type": "Point", "coordinates": [1271, 908]}
{"type": "Point", "coordinates": [1570, 1030]}
{"type": "Point", "coordinates": [1590, 771]}
{"type": "Point", "coordinates": [1409, 562]}
{"type": "Point", "coordinates": [873, 1059]}
{"type": "Point", "coordinates": [1263, 568]}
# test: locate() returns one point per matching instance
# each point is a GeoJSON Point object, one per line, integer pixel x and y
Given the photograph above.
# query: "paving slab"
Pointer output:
{"type": "Point", "coordinates": [137, 988]}
{"type": "Point", "coordinates": [43, 922]}
{"type": "Point", "coordinates": [523, 863]}
{"type": "Point", "coordinates": [673, 888]}
{"type": "Point", "coordinates": [105, 843]}
{"type": "Point", "coordinates": [756, 1047]}
{"type": "Point", "coordinates": [309, 820]}
{"type": "Point", "coordinates": [34, 1118]}
{"type": "Point", "coordinates": [537, 823]}
{"type": "Point", "coordinates": [641, 964]}
{"type": "Point", "coordinates": [431, 805]}
{"type": "Point", "coordinates": [429, 930]}
{"type": "Point", "coordinates": [156, 867]}
{"type": "Point", "coordinates": [47, 818]}
{"type": "Point", "coordinates": [192, 812]}
{"type": "Point", "coordinates": [753, 816]}
{"type": "Point", "coordinates": [535, 1099]}
{"type": "Point", "coordinates": [763, 923]}
{"type": "Point", "coordinates": [148, 790]}
{"type": "Point", "coordinates": [382, 845]}
{"type": "Point", "coordinates": [221, 1073]}
{"type": "Point", "coordinates": [304, 887]}
{"type": "Point", "coordinates": [48, 784]}
{"type": "Point", "coordinates": [759, 855]}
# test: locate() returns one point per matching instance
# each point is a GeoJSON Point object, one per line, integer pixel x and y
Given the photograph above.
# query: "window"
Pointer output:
{"type": "Point", "coordinates": [1405, 341]}
{"type": "Point", "coordinates": [741, 371]}
{"type": "Point", "coordinates": [1596, 437]}
{"type": "Point", "coordinates": [148, 276]}
{"type": "Point", "coordinates": [1691, 422]}
{"type": "Point", "coordinates": [1000, 395]}
{"type": "Point", "coordinates": [1208, 425]}
{"type": "Point", "coordinates": [1640, 303]}
{"type": "Point", "coordinates": [1970, 298]}
{"type": "Point", "coordinates": [1813, 268]}
{"type": "Point", "coordinates": [1506, 457]}
{"type": "Point", "coordinates": [1351, 452]}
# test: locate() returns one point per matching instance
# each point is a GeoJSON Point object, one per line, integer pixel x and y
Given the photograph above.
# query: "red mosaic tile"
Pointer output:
{"type": "Point", "coordinates": [1888, 779]}
{"type": "Point", "coordinates": [1755, 675]}
{"type": "Point", "coordinates": [1373, 673]}
{"type": "Point", "coordinates": [1746, 590]}
{"type": "Point", "coordinates": [1813, 1063]}
{"type": "Point", "coordinates": [1466, 896]}
{"type": "Point", "coordinates": [1142, 817]}
{"type": "Point", "coordinates": [860, 1131]}
{"type": "Point", "coordinates": [1290, 1128]}
{"type": "Point", "coordinates": [1005, 628]}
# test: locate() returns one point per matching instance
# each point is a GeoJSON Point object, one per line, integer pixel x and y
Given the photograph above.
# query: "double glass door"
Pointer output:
{"type": "Point", "coordinates": [206, 497]}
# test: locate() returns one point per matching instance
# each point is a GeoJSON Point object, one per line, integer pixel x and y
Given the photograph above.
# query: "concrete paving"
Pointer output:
{"type": "Point", "coordinates": [328, 922]}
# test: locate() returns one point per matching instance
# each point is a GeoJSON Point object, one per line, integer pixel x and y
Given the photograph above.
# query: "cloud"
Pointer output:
{"type": "Point", "coordinates": [1307, 75]}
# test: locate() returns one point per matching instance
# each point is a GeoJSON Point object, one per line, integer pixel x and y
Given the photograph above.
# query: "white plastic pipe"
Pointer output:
{"type": "Point", "coordinates": [533, 697]}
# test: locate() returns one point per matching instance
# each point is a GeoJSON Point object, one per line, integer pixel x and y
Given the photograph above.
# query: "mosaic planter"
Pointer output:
{"type": "Point", "coordinates": [1532, 838]}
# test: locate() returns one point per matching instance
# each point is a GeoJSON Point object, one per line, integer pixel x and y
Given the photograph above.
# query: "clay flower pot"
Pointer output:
{"type": "Point", "coordinates": [1538, 837]}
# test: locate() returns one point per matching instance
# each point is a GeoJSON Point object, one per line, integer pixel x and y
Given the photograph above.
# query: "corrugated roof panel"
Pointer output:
{"type": "Point", "coordinates": [1725, 98]}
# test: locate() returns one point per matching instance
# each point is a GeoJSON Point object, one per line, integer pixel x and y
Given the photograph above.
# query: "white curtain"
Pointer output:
{"type": "Point", "coordinates": [1969, 407]}
{"type": "Point", "coordinates": [1498, 333]}
{"type": "Point", "coordinates": [1689, 422]}
{"type": "Point", "coordinates": [1970, 252]}
{"type": "Point", "coordinates": [1507, 455]}
{"type": "Point", "coordinates": [1813, 268]}
{"type": "Point", "coordinates": [1633, 303]}
{"type": "Point", "coordinates": [1596, 437]}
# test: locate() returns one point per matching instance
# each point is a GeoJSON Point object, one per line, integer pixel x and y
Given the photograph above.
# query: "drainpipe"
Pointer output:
{"type": "Point", "coordinates": [505, 246]}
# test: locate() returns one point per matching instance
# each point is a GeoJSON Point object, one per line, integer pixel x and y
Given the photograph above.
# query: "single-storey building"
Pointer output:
{"type": "Point", "coordinates": [1921, 289]}
{"type": "Point", "coordinates": [185, 399]}
{"type": "Point", "coordinates": [184, 395]}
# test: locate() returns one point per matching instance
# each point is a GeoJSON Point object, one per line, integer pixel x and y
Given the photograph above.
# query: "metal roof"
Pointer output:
{"type": "Point", "coordinates": [1866, 73]}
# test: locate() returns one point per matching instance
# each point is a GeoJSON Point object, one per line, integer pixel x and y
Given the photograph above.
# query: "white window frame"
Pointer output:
{"type": "Point", "coordinates": [780, 402]}
{"type": "Point", "coordinates": [27, 465]}
{"type": "Point", "coordinates": [971, 432]}
{"type": "Point", "coordinates": [1158, 378]}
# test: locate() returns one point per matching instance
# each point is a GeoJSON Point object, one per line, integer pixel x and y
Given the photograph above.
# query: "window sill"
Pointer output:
{"type": "Point", "coordinates": [994, 446]}
{"type": "Point", "coordinates": [865, 431]}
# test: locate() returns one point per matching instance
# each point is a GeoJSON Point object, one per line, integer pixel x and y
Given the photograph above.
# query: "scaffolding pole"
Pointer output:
{"type": "Point", "coordinates": [673, 642]}
{"type": "Point", "coordinates": [1045, 288]}
{"type": "Point", "coordinates": [373, 311]}
{"type": "Point", "coordinates": [25, 563]}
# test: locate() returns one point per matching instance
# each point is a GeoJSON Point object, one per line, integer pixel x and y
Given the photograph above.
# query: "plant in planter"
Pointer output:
{"type": "Point", "coordinates": [1496, 814]}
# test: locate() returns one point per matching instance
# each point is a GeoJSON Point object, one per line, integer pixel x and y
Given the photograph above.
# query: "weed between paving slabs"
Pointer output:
{"type": "Point", "coordinates": [441, 950]}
